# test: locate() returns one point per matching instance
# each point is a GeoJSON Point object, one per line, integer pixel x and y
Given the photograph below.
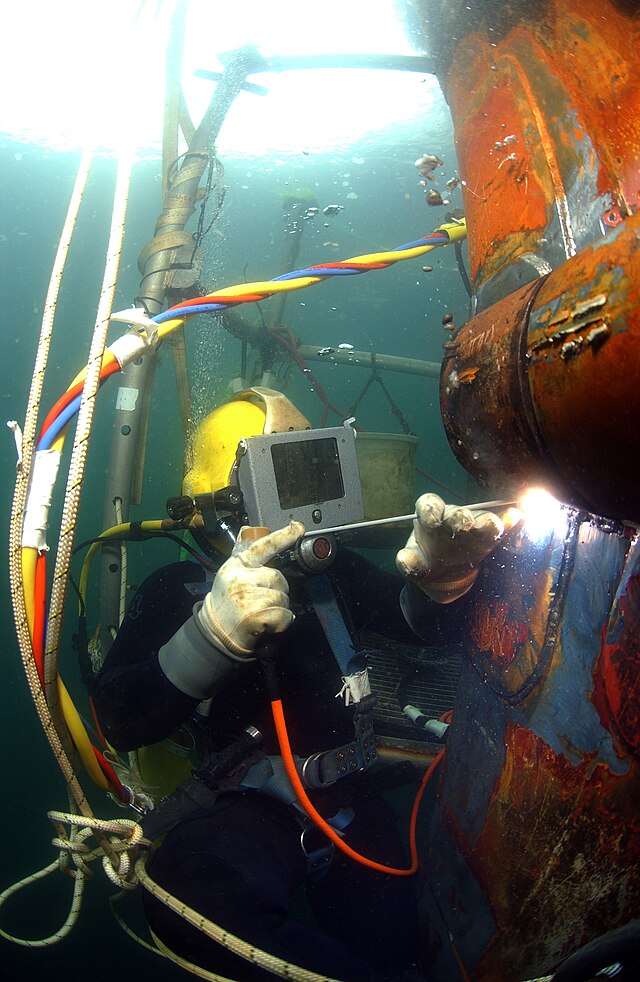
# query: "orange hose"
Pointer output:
{"type": "Point", "coordinates": [303, 798]}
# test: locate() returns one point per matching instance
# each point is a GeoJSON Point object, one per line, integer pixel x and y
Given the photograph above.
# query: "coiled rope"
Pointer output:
{"type": "Point", "coordinates": [129, 847]}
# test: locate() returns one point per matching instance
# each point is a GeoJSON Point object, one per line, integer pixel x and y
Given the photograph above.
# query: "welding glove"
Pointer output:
{"type": "Point", "coordinates": [247, 599]}
{"type": "Point", "coordinates": [443, 553]}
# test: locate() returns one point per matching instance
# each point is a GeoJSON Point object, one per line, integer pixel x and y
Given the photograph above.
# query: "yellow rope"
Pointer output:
{"type": "Point", "coordinates": [126, 836]}
{"type": "Point", "coordinates": [72, 916]}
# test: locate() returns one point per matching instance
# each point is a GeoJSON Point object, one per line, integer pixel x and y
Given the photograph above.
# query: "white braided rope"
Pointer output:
{"type": "Point", "coordinates": [22, 483]}
{"type": "Point", "coordinates": [81, 441]}
{"type": "Point", "coordinates": [217, 933]}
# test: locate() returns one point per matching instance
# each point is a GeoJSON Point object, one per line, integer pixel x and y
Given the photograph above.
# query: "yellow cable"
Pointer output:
{"type": "Point", "coordinates": [80, 737]}
{"type": "Point", "coordinates": [149, 526]}
{"type": "Point", "coordinates": [169, 326]}
{"type": "Point", "coordinates": [29, 557]}
{"type": "Point", "coordinates": [71, 717]}
{"type": "Point", "coordinates": [58, 443]}
{"type": "Point", "coordinates": [107, 358]}
{"type": "Point", "coordinates": [453, 230]}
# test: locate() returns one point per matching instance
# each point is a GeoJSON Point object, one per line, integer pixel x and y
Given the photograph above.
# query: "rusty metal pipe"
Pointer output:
{"type": "Point", "coordinates": [543, 387]}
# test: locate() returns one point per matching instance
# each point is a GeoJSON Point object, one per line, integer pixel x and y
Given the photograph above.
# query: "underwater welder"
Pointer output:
{"type": "Point", "coordinates": [189, 650]}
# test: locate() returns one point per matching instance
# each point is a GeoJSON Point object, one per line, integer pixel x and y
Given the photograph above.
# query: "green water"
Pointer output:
{"type": "Point", "coordinates": [395, 311]}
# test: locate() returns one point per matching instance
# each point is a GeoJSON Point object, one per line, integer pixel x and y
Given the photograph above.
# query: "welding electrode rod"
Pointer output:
{"type": "Point", "coordinates": [478, 506]}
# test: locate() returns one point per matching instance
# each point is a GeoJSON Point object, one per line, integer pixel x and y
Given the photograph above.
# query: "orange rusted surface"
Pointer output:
{"type": "Point", "coordinates": [507, 192]}
{"type": "Point", "coordinates": [496, 635]}
{"type": "Point", "coordinates": [560, 82]}
{"type": "Point", "coordinates": [569, 832]}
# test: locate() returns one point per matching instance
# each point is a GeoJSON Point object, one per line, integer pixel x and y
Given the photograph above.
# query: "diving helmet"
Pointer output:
{"type": "Point", "coordinates": [215, 442]}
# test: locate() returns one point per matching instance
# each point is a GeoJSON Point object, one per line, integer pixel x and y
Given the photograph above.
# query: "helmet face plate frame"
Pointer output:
{"type": "Point", "coordinates": [311, 476]}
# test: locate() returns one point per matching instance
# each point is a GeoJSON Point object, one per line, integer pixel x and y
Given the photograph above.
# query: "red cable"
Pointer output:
{"type": "Point", "coordinates": [238, 298]}
{"type": "Point", "coordinates": [39, 614]}
{"type": "Point", "coordinates": [110, 774]}
{"type": "Point", "coordinates": [71, 393]}
{"type": "Point", "coordinates": [303, 798]}
{"type": "Point", "coordinates": [233, 301]}
{"type": "Point", "coordinates": [96, 723]}
{"type": "Point", "coordinates": [39, 618]}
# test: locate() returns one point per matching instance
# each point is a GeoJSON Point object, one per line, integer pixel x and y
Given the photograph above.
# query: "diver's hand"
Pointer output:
{"type": "Point", "coordinates": [443, 553]}
{"type": "Point", "coordinates": [249, 599]}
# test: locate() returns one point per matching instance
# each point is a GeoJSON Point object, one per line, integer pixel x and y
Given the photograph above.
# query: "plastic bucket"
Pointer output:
{"type": "Point", "coordinates": [387, 473]}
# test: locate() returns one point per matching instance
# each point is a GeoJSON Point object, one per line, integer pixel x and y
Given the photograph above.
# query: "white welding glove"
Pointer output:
{"type": "Point", "coordinates": [443, 553]}
{"type": "Point", "coordinates": [248, 598]}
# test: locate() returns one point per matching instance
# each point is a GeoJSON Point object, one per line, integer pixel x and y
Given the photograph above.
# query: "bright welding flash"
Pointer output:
{"type": "Point", "coordinates": [542, 513]}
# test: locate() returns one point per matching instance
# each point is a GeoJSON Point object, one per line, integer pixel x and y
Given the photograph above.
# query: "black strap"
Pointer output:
{"type": "Point", "coordinates": [199, 792]}
{"type": "Point", "coordinates": [326, 768]}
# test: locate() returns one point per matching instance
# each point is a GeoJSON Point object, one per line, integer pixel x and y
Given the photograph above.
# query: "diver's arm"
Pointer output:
{"type": "Point", "coordinates": [135, 702]}
{"type": "Point", "coordinates": [195, 663]}
{"type": "Point", "coordinates": [141, 702]}
{"type": "Point", "coordinates": [144, 696]}
{"type": "Point", "coordinates": [137, 705]}
{"type": "Point", "coordinates": [386, 603]}
{"type": "Point", "coordinates": [247, 599]}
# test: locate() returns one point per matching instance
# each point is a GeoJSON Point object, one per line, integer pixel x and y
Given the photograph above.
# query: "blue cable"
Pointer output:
{"type": "Point", "coordinates": [59, 423]}
{"type": "Point", "coordinates": [437, 238]}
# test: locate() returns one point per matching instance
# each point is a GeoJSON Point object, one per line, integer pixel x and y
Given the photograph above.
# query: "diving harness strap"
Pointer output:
{"type": "Point", "coordinates": [327, 767]}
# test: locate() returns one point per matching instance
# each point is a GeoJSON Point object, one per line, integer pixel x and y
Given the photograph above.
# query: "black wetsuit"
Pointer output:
{"type": "Point", "coordinates": [240, 862]}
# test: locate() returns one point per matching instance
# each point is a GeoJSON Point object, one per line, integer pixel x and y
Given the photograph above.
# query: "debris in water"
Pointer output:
{"type": "Point", "coordinates": [435, 198]}
{"type": "Point", "coordinates": [427, 163]}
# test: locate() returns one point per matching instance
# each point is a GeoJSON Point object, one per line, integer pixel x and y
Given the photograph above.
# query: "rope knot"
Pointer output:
{"type": "Point", "coordinates": [120, 839]}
